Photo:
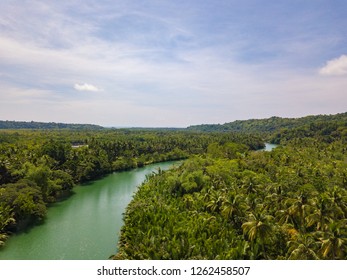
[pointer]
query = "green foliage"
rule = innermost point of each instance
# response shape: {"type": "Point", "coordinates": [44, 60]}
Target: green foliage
{"type": "Point", "coordinates": [41, 125]}
{"type": "Point", "coordinates": [290, 203]}
{"type": "Point", "coordinates": [307, 125]}
{"type": "Point", "coordinates": [227, 201]}
{"type": "Point", "coordinates": [24, 199]}
{"type": "Point", "coordinates": [37, 167]}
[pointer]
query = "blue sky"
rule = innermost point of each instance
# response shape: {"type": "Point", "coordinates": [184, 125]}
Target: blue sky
{"type": "Point", "coordinates": [171, 63]}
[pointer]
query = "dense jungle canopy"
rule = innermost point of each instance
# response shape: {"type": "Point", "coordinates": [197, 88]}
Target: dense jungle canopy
{"type": "Point", "coordinates": [226, 201]}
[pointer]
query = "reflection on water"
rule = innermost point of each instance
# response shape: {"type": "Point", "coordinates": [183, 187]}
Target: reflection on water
{"type": "Point", "coordinates": [85, 226]}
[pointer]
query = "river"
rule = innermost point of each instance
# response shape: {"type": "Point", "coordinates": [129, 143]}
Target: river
{"type": "Point", "coordinates": [269, 147]}
{"type": "Point", "coordinates": [86, 225]}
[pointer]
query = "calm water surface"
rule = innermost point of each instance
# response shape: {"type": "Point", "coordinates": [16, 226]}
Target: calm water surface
{"type": "Point", "coordinates": [86, 225]}
{"type": "Point", "coordinates": [269, 147]}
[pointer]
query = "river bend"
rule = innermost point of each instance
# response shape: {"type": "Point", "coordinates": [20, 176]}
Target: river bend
{"type": "Point", "coordinates": [86, 225]}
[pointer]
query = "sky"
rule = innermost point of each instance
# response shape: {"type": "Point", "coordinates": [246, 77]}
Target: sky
{"type": "Point", "coordinates": [161, 63]}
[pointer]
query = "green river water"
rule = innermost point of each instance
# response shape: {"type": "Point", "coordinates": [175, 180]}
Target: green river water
{"type": "Point", "coordinates": [86, 225]}
{"type": "Point", "coordinates": [269, 147]}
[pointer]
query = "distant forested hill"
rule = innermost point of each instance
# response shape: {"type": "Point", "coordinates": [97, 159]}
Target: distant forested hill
{"type": "Point", "coordinates": [43, 125]}
{"type": "Point", "coordinates": [270, 124]}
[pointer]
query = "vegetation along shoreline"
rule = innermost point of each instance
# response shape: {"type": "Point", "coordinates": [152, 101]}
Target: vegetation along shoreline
{"type": "Point", "coordinates": [232, 204]}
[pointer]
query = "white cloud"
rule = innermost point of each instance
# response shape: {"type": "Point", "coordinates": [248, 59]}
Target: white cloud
{"type": "Point", "coordinates": [158, 65]}
{"type": "Point", "coordinates": [85, 87]}
{"type": "Point", "coordinates": [335, 67]}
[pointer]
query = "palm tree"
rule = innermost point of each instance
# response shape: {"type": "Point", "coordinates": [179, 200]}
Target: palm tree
{"type": "Point", "coordinates": [258, 230]}
{"type": "Point", "coordinates": [338, 199]}
{"type": "Point", "coordinates": [253, 201]}
{"type": "Point", "coordinates": [6, 216]}
{"type": "Point", "coordinates": [298, 209]}
{"type": "Point", "coordinates": [6, 219]}
{"type": "Point", "coordinates": [285, 216]}
{"type": "Point", "coordinates": [214, 200]}
{"type": "Point", "coordinates": [302, 248]}
{"type": "Point", "coordinates": [188, 200]}
{"type": "Point", "coordinates": [275, 197]}
{"type": "Point", "coordinates": [321, 215]}
{"type": "Point", "coordinates": [233, 208]}
{"type": "Point", "coordinates": [334, 241]}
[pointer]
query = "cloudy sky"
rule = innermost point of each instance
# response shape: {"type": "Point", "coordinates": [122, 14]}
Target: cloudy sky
{"type": "Point", "coordinates": [171, 63]}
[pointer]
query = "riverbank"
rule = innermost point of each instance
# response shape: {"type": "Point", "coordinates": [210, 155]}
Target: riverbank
{"type": "Point", "coordinates": [86, 225]}
{"type": "Point", "coordinates": [28, 221]}
{"type": "Point", "coordinates": [212, 207]}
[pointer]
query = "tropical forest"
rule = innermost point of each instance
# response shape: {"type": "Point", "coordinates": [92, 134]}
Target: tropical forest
{"type": "Point", "coordinates": [229, 198]}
